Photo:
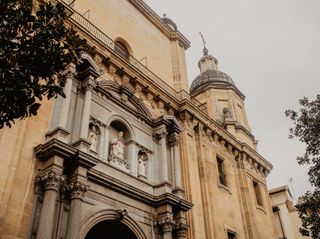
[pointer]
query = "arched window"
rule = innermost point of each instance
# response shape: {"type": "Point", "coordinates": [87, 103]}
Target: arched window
{"type": "Point", "coordinates": [122, 48]}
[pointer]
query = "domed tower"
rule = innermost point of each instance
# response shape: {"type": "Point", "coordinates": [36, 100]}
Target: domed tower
{"type": "Point", "coordinates": [223, 100]}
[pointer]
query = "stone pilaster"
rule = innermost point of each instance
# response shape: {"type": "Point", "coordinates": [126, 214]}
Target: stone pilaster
{"type": "Point", "coordinates": [77, 191]}
{"type": "Point", "coordinates": [88, 85]}
{"type": "Point", "coordinates": [174, 141]}
{"type": "Point", "coordinates": [51, 183]}
{"type": "Point", "coordinates": [161, 135]}
{"type": "Point", "coordinates": [65, 104]}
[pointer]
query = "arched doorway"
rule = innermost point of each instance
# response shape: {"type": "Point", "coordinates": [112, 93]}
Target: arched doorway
{"type": "Point", "coordinates": [110, 229]}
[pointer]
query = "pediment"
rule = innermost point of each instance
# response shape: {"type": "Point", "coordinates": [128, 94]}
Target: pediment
{"type": "Point", "coordinates": [125, 97]}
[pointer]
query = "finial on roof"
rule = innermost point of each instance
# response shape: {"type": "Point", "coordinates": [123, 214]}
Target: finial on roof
{"type": "Point", "coordinates": [164, 15]}
{"type": "Point", "coordinates": [205, 50]}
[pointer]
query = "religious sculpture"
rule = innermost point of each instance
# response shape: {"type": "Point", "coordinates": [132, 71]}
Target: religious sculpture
{"type": "Point", "coordinates": [117, 148]}
{"type": "Point", "coordinates": [142, 161]}
{"type": "Point", "coordinates": [227, 115]}
{"type": "Point", "coordinates": [93, 138]}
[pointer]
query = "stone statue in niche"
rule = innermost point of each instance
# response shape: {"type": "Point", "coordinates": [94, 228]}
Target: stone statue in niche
{"type": "Point", "coordinates": [93, 138]}
{"type": "Point", "coordinates": [142, 165]}
{"type": "Point", "coordinates": [227, 115]}
{"type": "Point", "coordinates": [117, 148]}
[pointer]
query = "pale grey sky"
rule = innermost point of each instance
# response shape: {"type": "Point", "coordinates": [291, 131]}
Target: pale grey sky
{"type": "Point", "coordinates": [271, 50]}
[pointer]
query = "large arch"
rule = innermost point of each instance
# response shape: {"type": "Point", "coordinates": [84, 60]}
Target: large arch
{"type": "Point", "coordinates": [99, 215]}
{"type": "Point", "coordinates": [113, 229]}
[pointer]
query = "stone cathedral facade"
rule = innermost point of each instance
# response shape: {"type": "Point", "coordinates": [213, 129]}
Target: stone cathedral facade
{"type": "Point", "coordinates": [133, 152]}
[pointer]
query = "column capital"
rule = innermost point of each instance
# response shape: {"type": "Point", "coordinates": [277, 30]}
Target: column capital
{"type": "Point", "coordinates": [173, 139]}
{"type": "Point", "coordinates": [77, 190]}
{"type": "Point", "coordinates": [89, 84]}
{"type": "Point", "coordinates": [160, 133]}
{"type": "Point", "coordinates": [50, 180]}
{"type": "Point", "coordinates": [181, 230]}
{"type": "Point", "coordinates": [165, 224]}
{"type": "Point", "coordinates": [70, 70]}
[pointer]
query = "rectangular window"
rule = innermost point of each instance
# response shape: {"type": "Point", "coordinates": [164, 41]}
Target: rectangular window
{"type": "Point", "coordinates": [231, 235]}
{"type": "Point", "coordinates": [221, 174]}
{"type": "Point", "coordinates": [257, 193]}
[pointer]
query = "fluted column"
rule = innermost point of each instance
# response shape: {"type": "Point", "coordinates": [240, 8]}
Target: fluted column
{"type": "Point", "coordinates": [88, 86]}
{"type": "Point", "coordinates": [174, 143]}
{"type": "Point", "coordinates": [65, 102]}
{"type": "Point", "coordinates": [52, 183]}
{"type": "Point", "coordinates": [77, 190]}
{"type": "Point", "coordinates": [160, 135]}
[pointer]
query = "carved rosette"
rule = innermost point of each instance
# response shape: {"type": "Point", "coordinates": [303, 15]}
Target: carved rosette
{"type": "Point", "coordinates": [50, 181]}
{"type": "Point", "coordinates": [77, 190]}
{"type": "Point", "coordinates": [165, 224]}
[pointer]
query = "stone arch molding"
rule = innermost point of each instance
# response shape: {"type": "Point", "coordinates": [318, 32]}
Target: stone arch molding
{"type": "Point", "coordinates": [110, 85]}
{"type": "Point", "coordinates": [98, 214]}
{"type": "Point", "coordinates": [122, 120]}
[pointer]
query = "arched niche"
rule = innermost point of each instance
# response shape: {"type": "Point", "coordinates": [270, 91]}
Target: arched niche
{"type": "Point", "coordinates": [142, 164]}
{"type": "Point", "coordinates": [94, 137]}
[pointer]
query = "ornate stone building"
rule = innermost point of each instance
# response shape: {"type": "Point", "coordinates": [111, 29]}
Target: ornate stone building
{"type": "Point", "coordinates": [131, 152]}
{"type": "Point", "coordinates": [285, 214]}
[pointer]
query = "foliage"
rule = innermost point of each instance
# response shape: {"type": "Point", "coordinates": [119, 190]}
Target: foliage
{"type": "Point", "coordinates": [307, 130]}
{"type": "Point", "coordinates": [309, 213]}
{"type": "Point", "coordinates": [35, 46]}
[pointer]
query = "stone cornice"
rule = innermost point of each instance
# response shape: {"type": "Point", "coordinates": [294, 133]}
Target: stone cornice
{"type": "Point", "coordinates": [156, 20]}
{"type": "Point", "coordinates": [215, 85]}
{"type": "Point", "coordinates": [136, 193]}
{"type": "Point", "coordinates": [72, 155]}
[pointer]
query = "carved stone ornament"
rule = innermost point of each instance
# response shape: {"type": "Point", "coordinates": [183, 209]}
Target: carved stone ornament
{"type": "Point", "coordinates": [181, 230]}
{"type": "Point", "coordinates": [93, 137]}
{"type": "Point", "coordinates": [77, 190]}
{"type": "Point", "coordinates": [121, 213]}
{"type": "Point", "coordinates": [50, 181]}
{"type": "Point", "coordinates": [89, 84]}
{"type": "Point", "coordinates": [70, 71]}
{"type": "Point", "coordinates": [117, 151]}
{"type": "Point", "coordinates": [173, 139]}
{"type": "Point", "coordinates": [165, 224]}
{"type": "Point", "coordinates": [160, 133]}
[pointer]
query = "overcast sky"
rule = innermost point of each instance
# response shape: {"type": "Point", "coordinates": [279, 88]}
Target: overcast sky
{"type": "Point", "coordinates": [271, 50]}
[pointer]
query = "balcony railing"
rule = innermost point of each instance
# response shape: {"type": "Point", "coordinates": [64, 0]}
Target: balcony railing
{"type": "Point", "coordinates": [84, 24]}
